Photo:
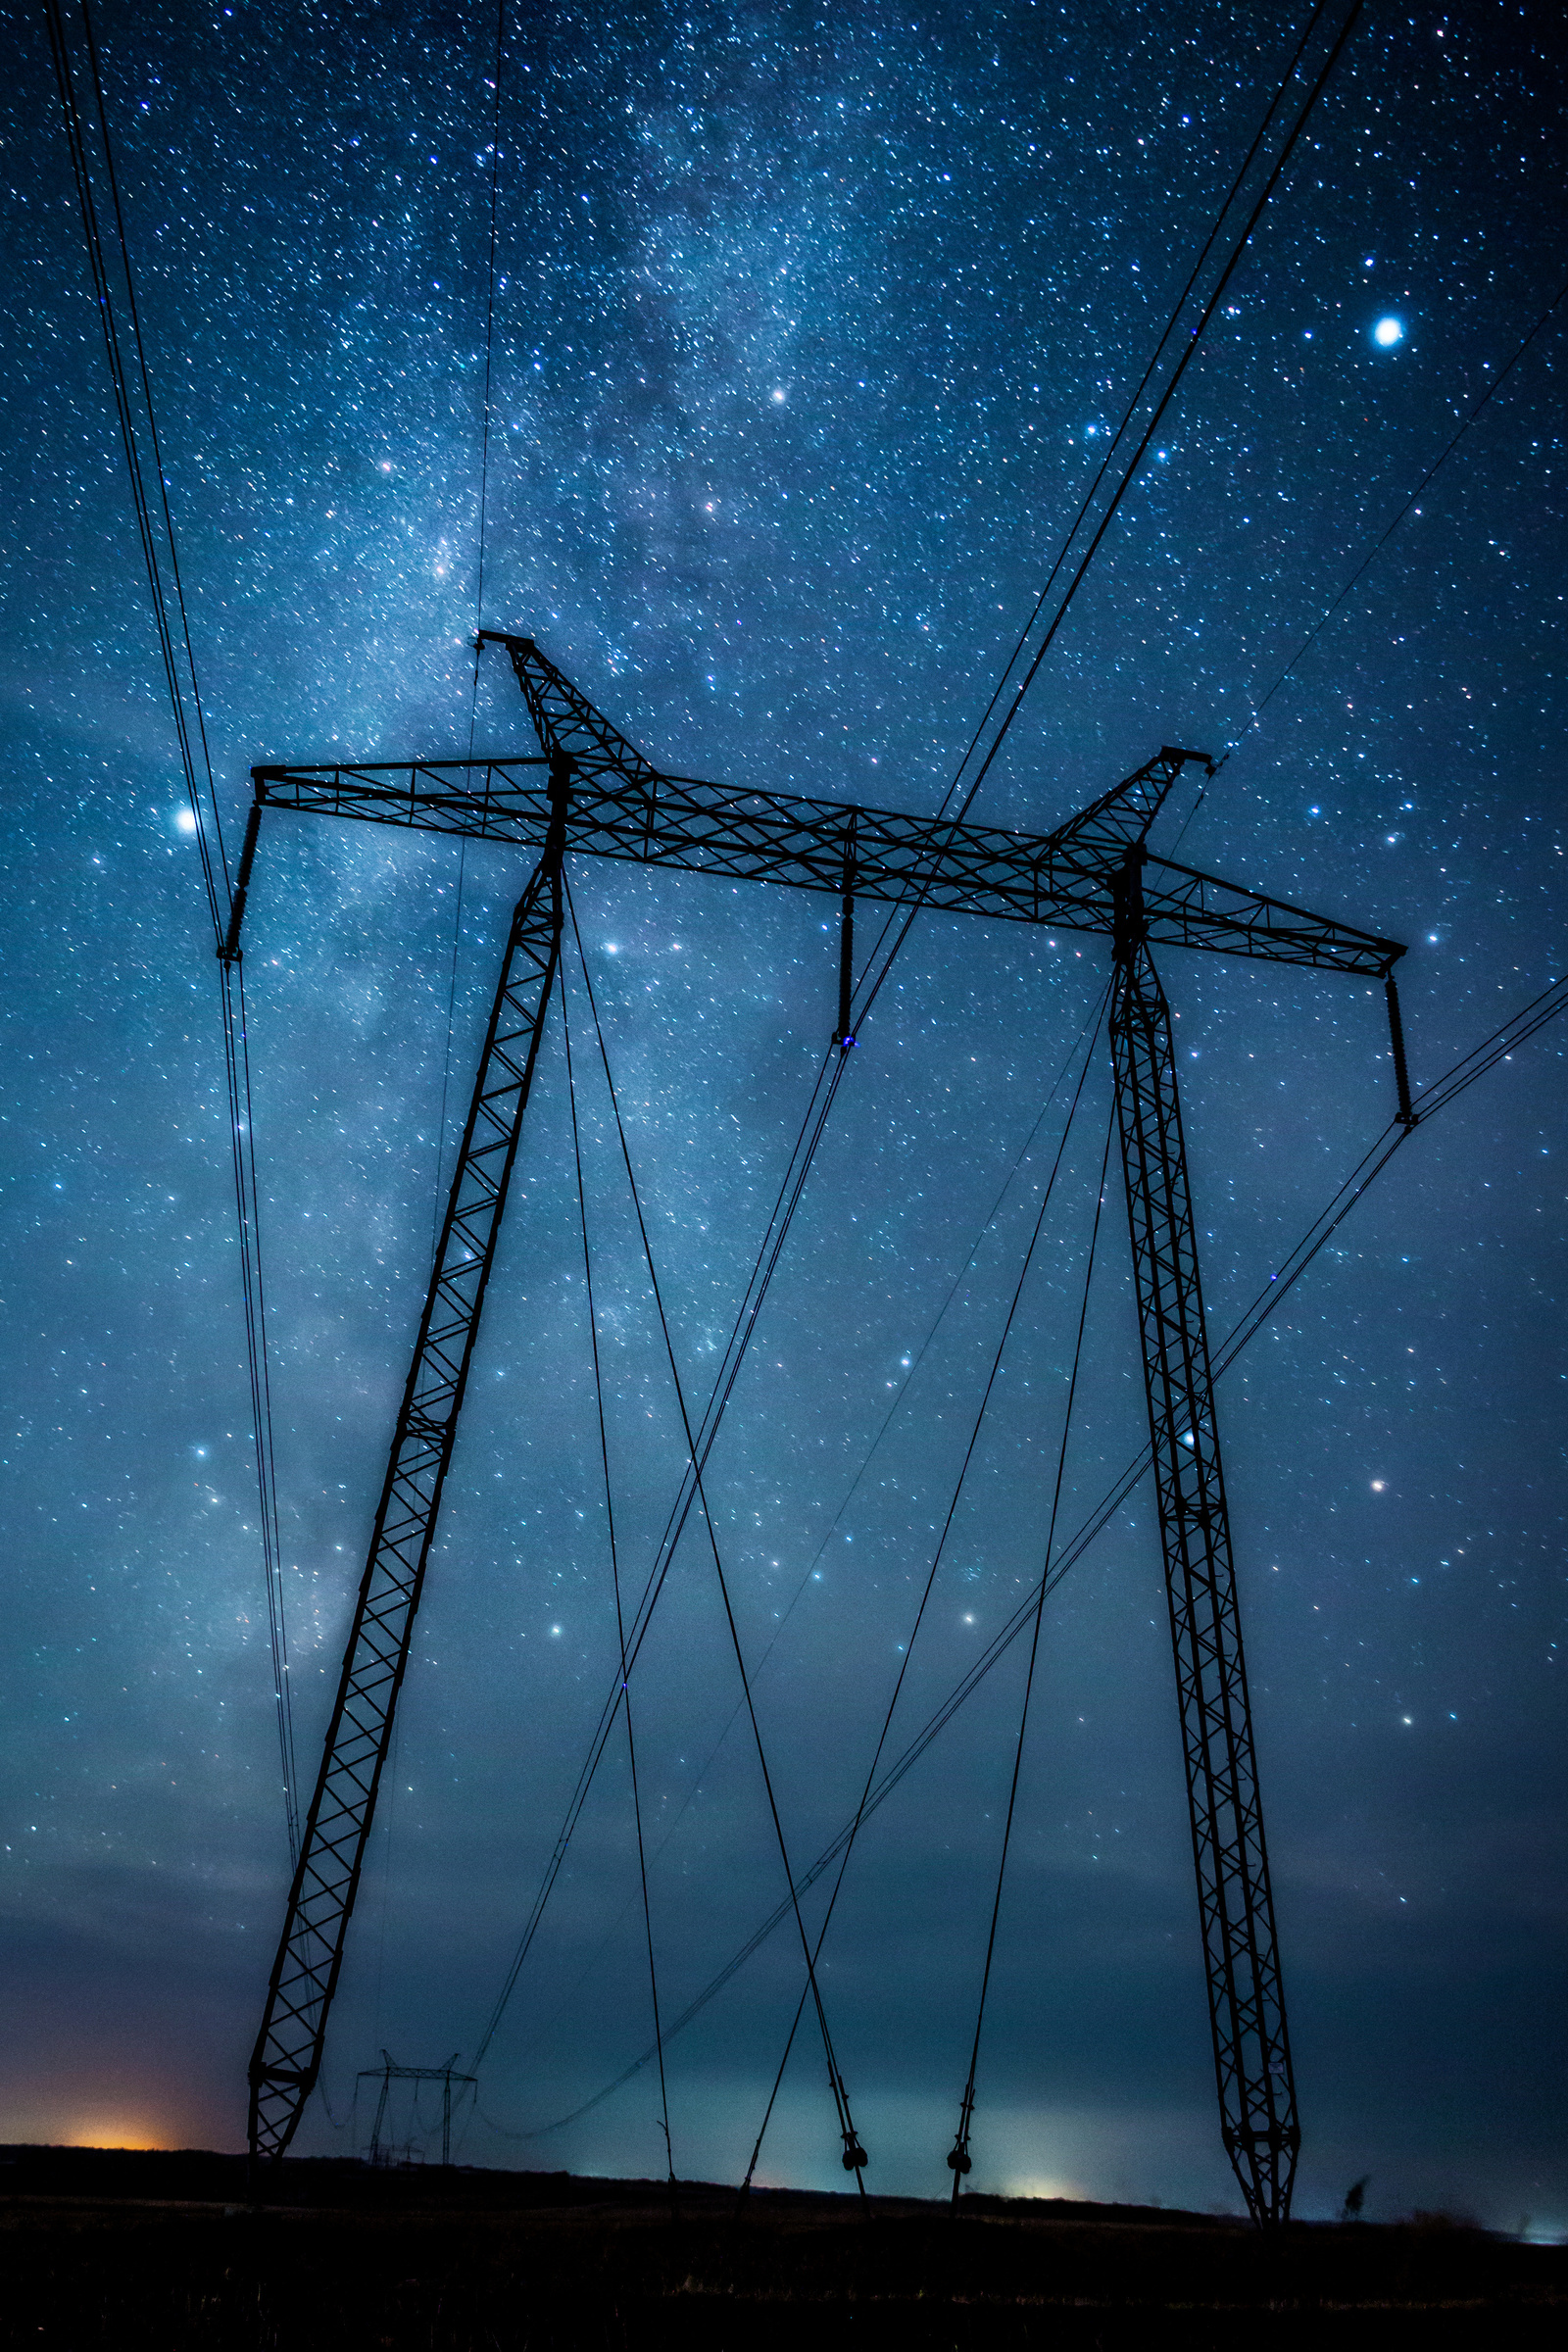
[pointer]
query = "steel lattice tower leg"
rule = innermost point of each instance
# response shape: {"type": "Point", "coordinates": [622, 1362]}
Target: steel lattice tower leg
{"type": "Point", "coordinates": [1245, 1995]}
{"type": "Point", "coordinates": [288, 2058]}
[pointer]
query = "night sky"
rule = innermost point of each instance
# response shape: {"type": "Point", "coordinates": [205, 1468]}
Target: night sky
{"type": "Point", "coordinates": [809, 325]}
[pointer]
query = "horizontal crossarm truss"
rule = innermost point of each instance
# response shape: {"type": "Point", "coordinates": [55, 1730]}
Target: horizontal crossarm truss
{"type": "Point", "coordinates": [1065, 880]}
{"type": "Point", "coordinates": [288, 2049]}
{"type": "Point", "coordinates": [1246, 1996]}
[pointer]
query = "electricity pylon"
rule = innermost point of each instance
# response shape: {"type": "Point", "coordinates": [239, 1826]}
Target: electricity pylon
{"type": "Point", "coordinates": [589, 792]}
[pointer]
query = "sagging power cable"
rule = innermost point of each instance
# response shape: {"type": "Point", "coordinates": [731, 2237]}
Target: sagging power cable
{"type": "Point", "coordinates": [919, 1355]}
{"type": "Point", "coordinates": [1498, 1047]}
{"type": "Point", "coordinates": [774, 1237]}
{"type": "Point", "coordinates": [880, 964]}
{"type": "Point", "coordinates": [1130, 469]}
{"type": "Point", "coordinates": [1086, 507]}
{"type": "Point", "coordinates": [182, 682]}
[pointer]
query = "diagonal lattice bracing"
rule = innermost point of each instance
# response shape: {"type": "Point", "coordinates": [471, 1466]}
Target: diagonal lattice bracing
{"type": "Point", "coordinates": [1236, 1910]}
{"type": "Point", "coordinates": [288, 2049]}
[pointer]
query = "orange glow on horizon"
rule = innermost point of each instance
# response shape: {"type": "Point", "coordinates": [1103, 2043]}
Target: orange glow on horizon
{"type": "Point", "coordinates": [113, 2132]}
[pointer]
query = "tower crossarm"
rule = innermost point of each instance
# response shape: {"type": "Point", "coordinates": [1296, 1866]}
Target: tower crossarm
{"type": "Point", "coordinates": [1066, 879]}
{"type": "Point", "coordinates": [1191, 909]}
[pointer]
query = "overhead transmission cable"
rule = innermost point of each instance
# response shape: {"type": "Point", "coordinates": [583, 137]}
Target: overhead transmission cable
{"type": "Point", "coordinates": [958, 1484]}
{"type": "Point", "coordinates": [1377, 545]}
{"type": "Point", "coordinates": [865, 997]}
{"type": "Point", "coordinates": [831, 1069]}
{"type": "Point", "coordinates": [1498, 1047]}
{"type": "Point", "coordinates": [479, 606]}
{"type": "Point", "coordinates": [788, 1196]}
{"type": "Point", "coordinates": [1167, 395]}
{"type": "Point", "coordinates": [1435, 1098]}
{"type": "Point", "coordinates": [190, 731]}
{"type": "Point", "coordinates": [614, 1570]}
{"type": "Point", "coordinates": [1086, 505]}
{"type": "Point", "coordinates": [917, 1359]}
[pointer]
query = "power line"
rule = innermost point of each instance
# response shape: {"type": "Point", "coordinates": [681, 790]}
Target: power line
{"type": "Point", "coordinates": [1130, 412]}
{"type": "Point", "coordinates": [919, 1358]}
{"type": "Point", "coordinates": [1130, 470]}
{"type": "Point", "coordinates": [774, 1236]}
{"type": "Point", "coordinates": [1438, 1096]}
{"type": "Point", "coordinates": [203, 807]}
{"type": "Point", "coordinates": [205, 815]}
{"type": "Point", "coordinates": [872, 981]}
{"type": "Point", "coordinates": [907, 1646]}
{"type": "Point", "coordinates": [1377, 545]}
{"type": "Point", "coordinates": [1170, 393]}
{"type": "Point", "coordinates": [831, 1071]}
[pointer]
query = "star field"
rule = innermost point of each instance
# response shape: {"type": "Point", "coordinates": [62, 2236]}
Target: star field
{"type": "Point", "coordinates": [810, 329]}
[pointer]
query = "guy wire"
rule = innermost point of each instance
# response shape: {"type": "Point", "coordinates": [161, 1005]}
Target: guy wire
{"type": "Point", "coordinates": [614, 1567]}
{"type": "Point", "coordinates": [851, 2148]}
{"type": "Point", "coordinates": [960, 2146]}
{"type": "Point", "coordinates": [941, 1542]}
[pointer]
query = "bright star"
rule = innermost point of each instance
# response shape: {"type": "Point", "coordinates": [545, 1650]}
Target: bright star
{"type": "Point", "coordinates": [1387, 332]}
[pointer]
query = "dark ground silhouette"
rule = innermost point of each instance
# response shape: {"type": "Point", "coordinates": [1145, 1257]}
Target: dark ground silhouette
{"type": "Point", "coordinates": [168, 2250]}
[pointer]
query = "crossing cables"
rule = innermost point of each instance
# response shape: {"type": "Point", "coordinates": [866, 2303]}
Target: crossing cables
{"type": "Point", "coordinates": [614, 1570]}
{"type": "Point", "coordinates": [1502, 1042]}
{"type": "Point", "coordinates": [959, 2159]}
{"type": "Point", "coordinates": [883, 955]}
{"type": "Point", "coordinates": [907, 1646]}
{"type": "Point", "coordinates": [854, 2153]}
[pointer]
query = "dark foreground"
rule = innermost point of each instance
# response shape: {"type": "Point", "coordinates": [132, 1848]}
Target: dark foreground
{"type": "Point", "coordinates": [166, 2251]}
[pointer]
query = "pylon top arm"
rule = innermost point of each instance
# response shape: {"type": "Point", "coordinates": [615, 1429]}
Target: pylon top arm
{"type": "Point", "coordinates": [565, 721]}
{"type": "Point", "coordinates": [568, 724]}
{"type": "Point", "coordinates": [1119, 820]}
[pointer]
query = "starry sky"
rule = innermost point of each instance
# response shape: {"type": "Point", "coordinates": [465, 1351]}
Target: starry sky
{"type": "Point", "coordinates": [809, 325]}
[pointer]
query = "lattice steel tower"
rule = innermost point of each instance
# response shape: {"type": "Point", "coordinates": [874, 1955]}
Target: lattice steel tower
{"type": "Point", "coordinates": [589, 792]}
